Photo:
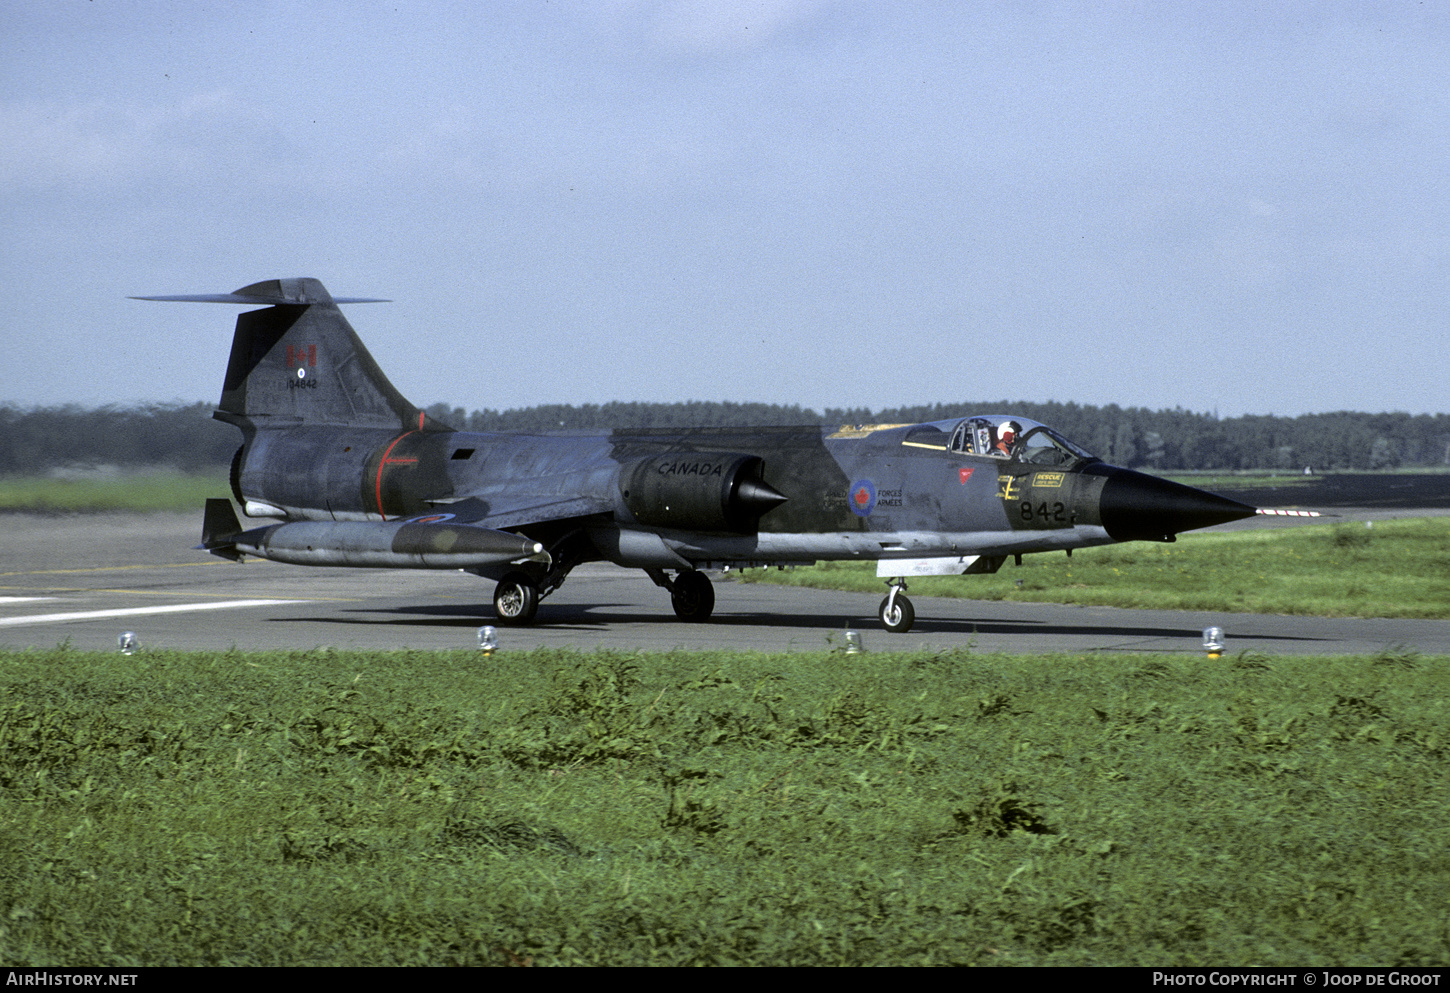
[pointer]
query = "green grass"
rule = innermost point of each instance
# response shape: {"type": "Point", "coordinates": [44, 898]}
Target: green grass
{"type": "Point", "coordinates": [1398, 568]}
{"type": "Point", "coordinates": [141, 492]}
{"type": "Point", "coordinates": [1230, 481]}
{"type": "Point", "coordinates": [555, 808]}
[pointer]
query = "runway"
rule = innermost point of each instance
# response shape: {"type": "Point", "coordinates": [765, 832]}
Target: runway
{"type": "Point", "coordinates": [84, 579]}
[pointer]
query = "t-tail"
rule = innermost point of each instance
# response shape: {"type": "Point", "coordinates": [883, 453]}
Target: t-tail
{"type": "Point", "coordinates": [299, 362]}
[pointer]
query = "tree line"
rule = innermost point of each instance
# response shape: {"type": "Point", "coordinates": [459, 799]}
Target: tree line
{"type": "Point", "coordinates": [184, 436]}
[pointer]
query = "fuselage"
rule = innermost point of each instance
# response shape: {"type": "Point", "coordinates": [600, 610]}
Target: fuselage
{"type": "Point", "coordinates": [869, 492]}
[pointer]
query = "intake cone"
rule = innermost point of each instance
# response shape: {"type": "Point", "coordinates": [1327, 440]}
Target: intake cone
{"type": "Point", "coordinates": [757, 496]}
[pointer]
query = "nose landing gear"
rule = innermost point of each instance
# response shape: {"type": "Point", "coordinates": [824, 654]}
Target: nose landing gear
{"type": "Point", "coordinates": [896, 612]}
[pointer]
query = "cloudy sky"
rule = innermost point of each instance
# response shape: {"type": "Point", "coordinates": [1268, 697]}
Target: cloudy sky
{"type": "Point", "coordinates": [1230, 206]}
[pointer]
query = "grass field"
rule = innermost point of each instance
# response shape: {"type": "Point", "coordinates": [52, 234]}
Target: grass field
{"type": "Point", "coordinates": [139, 492]}
{"type": "Point", "coordinates": [1397, 568]}
{"type": "Point", "coordinates": [1225, 482]}
{"type": "Point", "coordinates": [1216, 479]}
{"type": "Point", "coordinates": [554, 808]}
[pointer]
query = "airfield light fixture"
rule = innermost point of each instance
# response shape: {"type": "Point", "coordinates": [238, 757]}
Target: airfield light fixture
{"type": "Point", "coordinates": [854, 645]}
{"type": "Point", "coordinates": [1213, 642]}
{"type": "Point", "coordinates": [487, 639]}
{"type": "Point", "coordinates": [127, 643]}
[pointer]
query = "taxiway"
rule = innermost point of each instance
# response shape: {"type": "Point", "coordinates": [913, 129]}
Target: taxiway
{"type": "Point", "coordinates": [84, 579]}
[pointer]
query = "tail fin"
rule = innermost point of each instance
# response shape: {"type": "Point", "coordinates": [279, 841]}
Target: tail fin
{"type": "Point", "coordinates": [299, 361]}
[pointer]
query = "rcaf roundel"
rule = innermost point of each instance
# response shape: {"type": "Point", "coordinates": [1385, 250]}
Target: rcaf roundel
{"type": "Point", "coordinates": [862, 497]}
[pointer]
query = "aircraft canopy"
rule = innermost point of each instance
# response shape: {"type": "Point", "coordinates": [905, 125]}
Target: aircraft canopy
{"type": "Point", "coordinates": [1010, 437]}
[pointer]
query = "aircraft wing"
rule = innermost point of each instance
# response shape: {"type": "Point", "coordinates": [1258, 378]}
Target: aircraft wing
{"type": "Point", "coordinates": [513, 509]}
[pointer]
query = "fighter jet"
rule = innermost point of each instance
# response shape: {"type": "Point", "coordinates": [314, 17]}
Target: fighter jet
{"type": "Point", "coordinates": [352, 474]}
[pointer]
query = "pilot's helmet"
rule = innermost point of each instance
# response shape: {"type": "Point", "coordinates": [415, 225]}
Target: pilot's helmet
{"type": "Point", "coordinates": [1009, 431]}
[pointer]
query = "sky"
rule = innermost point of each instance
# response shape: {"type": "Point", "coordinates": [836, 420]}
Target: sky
{"type": "Point", "coordinates": [1231, 207]}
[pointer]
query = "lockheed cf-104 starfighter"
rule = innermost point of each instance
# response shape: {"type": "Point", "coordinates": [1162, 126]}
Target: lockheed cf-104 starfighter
{"type": "Point", "coordinates": [355, 475]}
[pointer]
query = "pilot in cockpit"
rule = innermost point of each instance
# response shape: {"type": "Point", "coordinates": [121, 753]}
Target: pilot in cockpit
{"type": "Point", "coordinates": [1007, 433]}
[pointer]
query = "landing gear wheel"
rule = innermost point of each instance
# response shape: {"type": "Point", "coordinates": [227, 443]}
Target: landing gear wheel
{"type": "Point", "coordinates": [897, 614]}
{"type": "Point", "coordinates": [692, 596]}
{"type": "Point", "coordinates": [515, 600]}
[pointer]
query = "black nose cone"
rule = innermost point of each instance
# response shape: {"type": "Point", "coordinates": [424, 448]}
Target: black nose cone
{"type": "Point", "coordinates": [1137, 507]}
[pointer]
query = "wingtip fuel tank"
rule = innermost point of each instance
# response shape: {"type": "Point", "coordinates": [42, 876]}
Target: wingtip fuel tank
{"type": "Point", "coordinates": [390, 545]}
{"type": "Point", "coordinates": [430, 542]}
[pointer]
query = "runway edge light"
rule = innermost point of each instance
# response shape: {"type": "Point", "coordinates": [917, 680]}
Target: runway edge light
{"type": "Point", "coordinates": [487, 639]}
{"type": "Point", "coordinates": [1213, 642]}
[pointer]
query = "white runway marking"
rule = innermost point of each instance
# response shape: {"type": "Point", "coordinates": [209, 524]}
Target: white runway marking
{"type": "Point", "coordinates": [175, 608]}
{"type": "Point", "coordinates": [24, 599]}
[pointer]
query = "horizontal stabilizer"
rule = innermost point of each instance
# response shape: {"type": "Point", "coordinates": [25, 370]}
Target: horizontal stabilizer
{"type": "Point", "coordinates": [270, 292]}
{"type": "Point", "coordinates": [250, 300]}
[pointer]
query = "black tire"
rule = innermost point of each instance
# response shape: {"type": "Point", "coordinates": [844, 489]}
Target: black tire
{"type": "Point", "coordinates": [235, 477]}
{"type": "Point", "coordinates": [515, 600]}
{"type": "Point", "coordinates": [897, 619]}
{"type": "Point", "coordinates": [693, 596]}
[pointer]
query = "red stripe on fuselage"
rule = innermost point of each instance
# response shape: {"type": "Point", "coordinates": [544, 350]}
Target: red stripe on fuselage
{"type": "Point", "coordinates": [384, 462]}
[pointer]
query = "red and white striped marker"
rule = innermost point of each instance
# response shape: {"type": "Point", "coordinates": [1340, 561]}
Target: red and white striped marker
{"type": "Point", "coordinates": [1269, 512]}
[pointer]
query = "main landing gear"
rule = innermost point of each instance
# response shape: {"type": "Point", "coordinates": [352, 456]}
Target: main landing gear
{"type": "Point", "coordinates": [691, 593]}
{"type": "Point", "coordinates": [515, 599]}
{"type": "Point", "coordinates": [517, 595]}
{"type": "Point", "coordinates": [896, 613]}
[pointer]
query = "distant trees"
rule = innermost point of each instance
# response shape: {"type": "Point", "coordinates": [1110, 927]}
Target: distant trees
{"type": "Point", "coordinates": [1134, 436]}
{"type": "Point", "coordinates": [185, 436]}
{"type": "Point", "coordinates": [44, 438]}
